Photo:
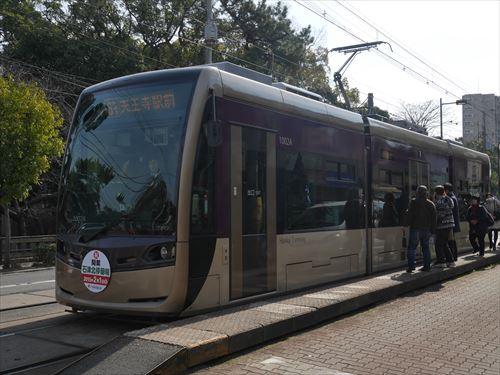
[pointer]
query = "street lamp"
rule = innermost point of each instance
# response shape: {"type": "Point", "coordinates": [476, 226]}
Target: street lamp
{"type": "Point", "coordinates": [457, 102]}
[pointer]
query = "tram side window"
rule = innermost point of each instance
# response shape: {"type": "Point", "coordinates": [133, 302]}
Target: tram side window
{"type": "Point", "coordinates": [316, 191]}
{"type": "Point", "coordinates": [438, 179]}
{"type": "Point", "coordinates": [390, 199]}
{"type": "Point", "coordinates": [203, 192]}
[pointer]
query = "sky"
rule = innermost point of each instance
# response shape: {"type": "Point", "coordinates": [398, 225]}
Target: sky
{"type": "Point", "coordinates": [440, 49]}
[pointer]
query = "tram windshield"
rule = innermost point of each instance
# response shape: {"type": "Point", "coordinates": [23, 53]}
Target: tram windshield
{"type": "Point", "coordinates": [121, 172]}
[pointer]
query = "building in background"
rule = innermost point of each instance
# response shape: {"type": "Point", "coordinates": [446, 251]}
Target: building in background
{"type": "Point", "coordinates": [481, 119]}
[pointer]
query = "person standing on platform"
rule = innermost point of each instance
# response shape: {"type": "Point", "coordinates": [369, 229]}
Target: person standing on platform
{"type": "Point", "coordinates": [422, 224]}
{"type": "Point", "coordinates": [452, 243]}
{"type": "Point", "coordinates": [492, 204]}
{"type": "Point", "coordinates": [479, 220]}
{"type": "Point", "coordinates": [444, 225]}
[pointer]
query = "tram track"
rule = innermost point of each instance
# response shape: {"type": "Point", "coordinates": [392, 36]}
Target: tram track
{"type": "Point", "coordinates": [48, 365]}
{"type": "Point", "coordinates": [43, 342]}
{"type": "Point", "coordinates": [27, 306]}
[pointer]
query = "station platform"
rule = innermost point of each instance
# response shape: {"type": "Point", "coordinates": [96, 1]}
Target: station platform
{"type": "Point", "coordinates": [178, 346]}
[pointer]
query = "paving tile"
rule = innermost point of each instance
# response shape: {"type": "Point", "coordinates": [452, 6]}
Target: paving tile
{"type": "Point", "coordinates": [452, 327]}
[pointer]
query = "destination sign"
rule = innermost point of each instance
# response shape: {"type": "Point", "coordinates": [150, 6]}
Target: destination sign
{"type": "Point", "coordinates": [143, 103]}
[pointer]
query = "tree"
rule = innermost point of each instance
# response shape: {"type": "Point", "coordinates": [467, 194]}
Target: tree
{"type": "Point", "coordinates": [29, 138]}
{"type": "Point", "coordinates": [262, 37]}
{"type": "Point", "coordinates": [425, 114]}
{"type": "Point", "coordinates": [95, 40]}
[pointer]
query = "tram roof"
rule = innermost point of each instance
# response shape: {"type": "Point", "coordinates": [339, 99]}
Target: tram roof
{"type": "Point", "coordinates": [245, 89]}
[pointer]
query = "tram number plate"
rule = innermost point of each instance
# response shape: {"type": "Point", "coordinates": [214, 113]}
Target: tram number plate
{"type": "Point", "coordinates": [95, 271]}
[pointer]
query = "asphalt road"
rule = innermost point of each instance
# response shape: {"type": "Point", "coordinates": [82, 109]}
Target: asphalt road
{"type": "Point", "coordinates": [26, 281]}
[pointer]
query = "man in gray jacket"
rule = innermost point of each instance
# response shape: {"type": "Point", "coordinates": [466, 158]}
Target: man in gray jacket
{"type": "Point", "coordinates": [422, 224]}
{"type": "Point", "coordinates": [452, 243]}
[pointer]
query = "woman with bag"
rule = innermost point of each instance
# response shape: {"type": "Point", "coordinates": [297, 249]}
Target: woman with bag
{"type": "Point", "coordinates": [492, 204]}
{"type": "Point", "coordinates": [479, 220]}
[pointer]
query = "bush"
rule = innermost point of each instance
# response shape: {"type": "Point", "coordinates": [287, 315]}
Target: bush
{"type": "Point", "coordinates": [45, 254]}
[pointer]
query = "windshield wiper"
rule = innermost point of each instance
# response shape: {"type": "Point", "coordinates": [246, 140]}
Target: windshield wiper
{"type": "Point", "coordinates": [100, 229]}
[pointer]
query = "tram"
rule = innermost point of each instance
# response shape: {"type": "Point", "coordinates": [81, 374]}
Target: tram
{"type": "Point", "coordinates": [190, 189]}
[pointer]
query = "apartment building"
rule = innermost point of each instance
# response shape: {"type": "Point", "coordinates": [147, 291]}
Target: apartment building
{"type": "Point", "coordinates": [481, 119]}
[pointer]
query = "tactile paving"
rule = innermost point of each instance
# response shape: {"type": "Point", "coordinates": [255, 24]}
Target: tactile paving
{"type": "Point", "coordinates": [281, 308]}
{"type": "Point", "coordinates": [306, 301]}
{"type": "Point", "coordinates": [183, 336]}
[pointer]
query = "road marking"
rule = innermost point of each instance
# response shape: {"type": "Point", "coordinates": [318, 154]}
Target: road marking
{"type": "Point", "coordinates": [24, 284]}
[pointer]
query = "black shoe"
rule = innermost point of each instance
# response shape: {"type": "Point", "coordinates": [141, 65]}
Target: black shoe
{"type": "Point", "coordinates": [410, 270]}
{"type": "Point", "coordinates": [424, 269]}
{"type": "Point", "coordinates": [455, 259]}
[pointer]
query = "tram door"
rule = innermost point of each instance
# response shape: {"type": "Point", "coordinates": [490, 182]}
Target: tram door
{"type": "Point", "coordinates": [253, 212]}
{"type": "Point", "coordinates": [419, 175]}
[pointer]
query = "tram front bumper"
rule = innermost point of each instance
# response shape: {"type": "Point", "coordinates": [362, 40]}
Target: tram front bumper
{"type": "Point", "coordinates": [142, 292]}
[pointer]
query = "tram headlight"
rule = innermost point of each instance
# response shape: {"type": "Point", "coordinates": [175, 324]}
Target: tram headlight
{"type": "Point", "coordinates": [164, 252]}
{"type": "Point", "coordinates": [167, 252]}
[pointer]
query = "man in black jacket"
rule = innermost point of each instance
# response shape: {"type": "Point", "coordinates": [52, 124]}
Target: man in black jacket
{"type": "Point", "coordinates": [422, 224]}
{"type": "Point", "coordinates": [479, 220]}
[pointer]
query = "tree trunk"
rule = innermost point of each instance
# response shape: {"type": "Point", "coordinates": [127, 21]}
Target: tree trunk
{"type": "Point", "coordinates": [6, 242]}
{"type": "Point", "coordinates": [21, 218]}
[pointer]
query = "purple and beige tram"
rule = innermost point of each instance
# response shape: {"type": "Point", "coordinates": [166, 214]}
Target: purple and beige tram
{"type": "Point", "coordinates": [190, 189]}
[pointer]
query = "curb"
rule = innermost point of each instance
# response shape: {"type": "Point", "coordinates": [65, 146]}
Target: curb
{"type": "Point", "coordinates": [21, 270]}
{"type": "Point", "coordinates": [260, 322]}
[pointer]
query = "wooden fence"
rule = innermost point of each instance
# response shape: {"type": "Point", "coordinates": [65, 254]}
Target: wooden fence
{"type": "Point", "coordinates": [22, 248]}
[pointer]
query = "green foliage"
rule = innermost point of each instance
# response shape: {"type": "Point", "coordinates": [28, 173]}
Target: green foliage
{"type": "Point", "coordinates": [263, 35]}
{"type": "Point", "coordinates": [377, 113]}
{"type": "Point", "coordinates": [45, 254]}
{"type": "Point", "coordinates": [29, 137]}
{"type": "Point", "coordinates": [66, 45]}
{"type": "Point", "coordinates": [103, 39]}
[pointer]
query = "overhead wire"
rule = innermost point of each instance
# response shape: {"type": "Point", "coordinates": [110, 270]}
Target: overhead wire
{"type": "Point", "coordinates": [405, 65]}
{"type": "Point", "coordinates": [357, 13]}
{"type": "Point", "coordinates": [324, 16]}
{"type": "Point", "coordinates": [94, 41]}
{"type": "Point", "coordinates": [390, 58]}
{"type": "Point", "coordinates": [394, 61]}
{"type": "Point", "coordinates": [254, 45]}
{"type": "Point", "coordinates": [48, 71]}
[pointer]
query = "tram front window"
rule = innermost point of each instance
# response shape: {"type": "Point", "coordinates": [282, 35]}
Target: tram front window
{"type": "Point", "coordinates": [121, 172]}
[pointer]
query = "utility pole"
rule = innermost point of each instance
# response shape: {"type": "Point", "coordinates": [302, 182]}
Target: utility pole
{"type": "Point", "coordinates": [441, 116]}
{"type": "Point", "coordinates": [210, 33]}
{"type": "Point", "coordinates": [457, 102]}
{"type": "Point", "coordinates": [370, 104]}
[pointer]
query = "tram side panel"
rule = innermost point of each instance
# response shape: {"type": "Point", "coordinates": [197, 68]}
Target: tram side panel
{"type": "Point", "coordinates": [319, 209]}
{"type": "Point", "coordinates": [321, 181]}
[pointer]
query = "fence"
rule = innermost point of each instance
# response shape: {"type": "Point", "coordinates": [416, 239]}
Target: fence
{"type": "Point", "coordinates": [22, 249]}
